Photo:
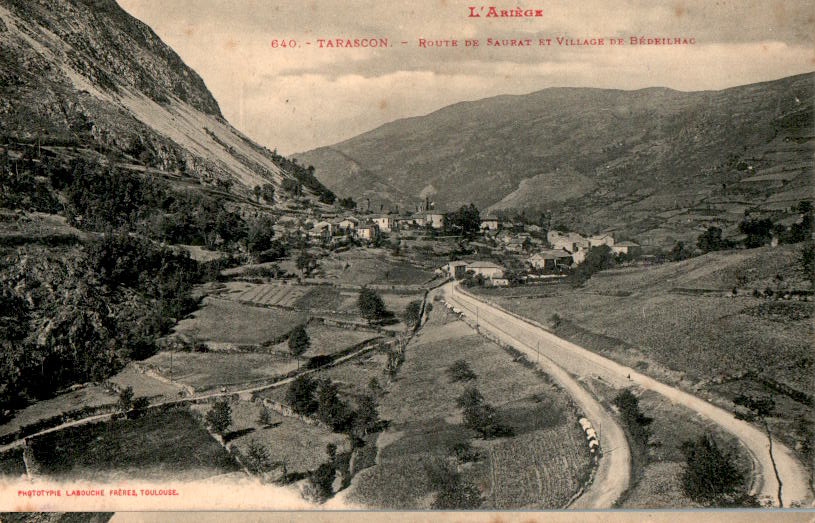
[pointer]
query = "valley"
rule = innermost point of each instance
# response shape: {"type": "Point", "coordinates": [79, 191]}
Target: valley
{"type": "Point", "coordinates": [572, 299]}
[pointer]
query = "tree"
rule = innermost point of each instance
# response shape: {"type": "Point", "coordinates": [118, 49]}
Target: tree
{"type": "Point", "coordinates": [466, 219]}
{"type": "Point", "coordinates": [597, 259]}
{"type": "Point", "coordinates": [300, 395]}
{"type": "Point", "coordinates": [480, 416]}
{"type": "Point", "coordinates": [347, 203]}
{"type": "Point", "coordinates": [413, 313]}
{"type": "Point", "coordinates": [367, 416]}
{"type": "Point", "coordinates": [711, 477]}
{"type": "Point", "coordinates": [267, 192]}
{"type": "Point", "coordinates": [371, 305]}
{"type": "Point", "coordinates": [331, 409]}
{"type": "Point", "coordinates": [711, 240]}
{"type": "Point", "coordinates": [139, 407]}
{"type": "Point", "coordinates": [257, 457]}
{"type": "Point", "coordinates": [219, 417]}
{"type": "Point", "coordinates": [321, 482]}
{"type": "Point", "coordinates": [292, 187]}
{"type": "Point", "coordinates": [265, 416]}
{"type": "Point", "coordinates": [260, 234]}
{"type": "Point", "coordinates": [305, 263]}
{"type": "Point", "coordinates": [635, 421]}
{"type": "Point", "coordinates": [299, 342]}
{"type": "Point", "coordinates": [758, 231]}
{"type": "Point", "coordinates": [680, 252]}
{"type": "Point", "coordinates": [126, 399]}
{"type": "Point", "coordinates": [807, 261]}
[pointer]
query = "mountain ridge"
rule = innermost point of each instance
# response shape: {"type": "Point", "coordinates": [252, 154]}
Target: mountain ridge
{"type": "Point", "coordinates": [593, 148]}
{"type": "Point", "coordinates": [86, 74]}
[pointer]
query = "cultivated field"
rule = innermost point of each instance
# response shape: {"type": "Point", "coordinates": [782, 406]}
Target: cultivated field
{"type": "Point", "coordinates": [658, 320]}
{"type": "Point", "coordinates": [225, 321]}
{"type": "Point", "coordinates": [272, 294]}
{"type": "Point", "coordinates": [326, 339]}
{"type": "Point", "coordinates": [208, 370]}
{"type": "Point", "coordinates": [372, 266]}
{"type": "Point", "coordinates": [528, 469]}
{"type": "Point", "coordinates": [159, 446]}
{"type": "Point", "coordinates": [425, 424]}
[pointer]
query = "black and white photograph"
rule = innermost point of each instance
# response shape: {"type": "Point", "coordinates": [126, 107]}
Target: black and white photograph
{"type": "Point", "coordinates": [513, 261]}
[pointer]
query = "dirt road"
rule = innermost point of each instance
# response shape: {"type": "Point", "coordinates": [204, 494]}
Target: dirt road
{"type": "Point", "coordinates": [794, 488]}
{"type": "Point", "coordinates": [612, 476]}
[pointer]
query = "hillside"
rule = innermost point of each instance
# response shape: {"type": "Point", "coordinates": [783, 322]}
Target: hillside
{"type": "Point", "coordinates": [654, 162]}
{"type": "Point", "coordinates": [83, 77]}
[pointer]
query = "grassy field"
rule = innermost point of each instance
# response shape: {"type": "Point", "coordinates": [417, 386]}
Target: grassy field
{"type": "Point", "coordinates": [225, 321]}
{"type": "Point", "coordinates": [92, 396]}
{"type": "Point", "coordinates": [704, 343]}
{"type": "Point", "coordinates": [326, 339]}
{"type": "Point", "coordinates": [144, 385]}
{"type": "Point", "coordinates": [205, 371]}
{"type": "Point", "coordinates": [163, 446]}
{"type": "Point", "coordinates": [351, 377]}
{"type": "Point", "coordinates": [425, 424]}
{"type": "Point", "coordinates": [300, 446]}
{"type": "Point", "coordinates": [372, 266]}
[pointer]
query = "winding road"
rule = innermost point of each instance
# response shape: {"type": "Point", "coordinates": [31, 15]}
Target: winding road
{"type": "Point", "coordinates": [563, 360]}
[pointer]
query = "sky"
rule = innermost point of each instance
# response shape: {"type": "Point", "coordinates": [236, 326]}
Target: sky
{"type": "Point", "coordinates": [298, 98]}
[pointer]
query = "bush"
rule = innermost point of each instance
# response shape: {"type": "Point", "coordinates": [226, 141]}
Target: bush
{"type": "Point", "coordinates": [635, 421]}
{"type": "Point", "coordinates": [711, 477]}
{"type": "Point", "coordinates": [413, 312]}
{"type": "Point", "coordinates": [460, 371]}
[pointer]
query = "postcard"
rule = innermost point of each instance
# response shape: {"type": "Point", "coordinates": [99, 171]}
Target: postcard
{"type": "Point", "coordinates": [460, 259]}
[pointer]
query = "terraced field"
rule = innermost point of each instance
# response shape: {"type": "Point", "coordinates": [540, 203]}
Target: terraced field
{"type": "Point", "coordinates": [541, 469]}
{"type": "Point", "coordinates": [226, 321]}
{"type": "Point", "coordinates": [206, 371]}
{"type": "Point", "coordinates": [272, 294]}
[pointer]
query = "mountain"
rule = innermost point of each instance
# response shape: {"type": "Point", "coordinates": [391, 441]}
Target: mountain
{"type": "Point", "coordinates": [85, 75]}
{"type": "Point", "coordinates": [653, 162]}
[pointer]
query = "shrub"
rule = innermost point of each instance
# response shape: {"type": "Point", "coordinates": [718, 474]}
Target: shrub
{"type": "Point", "coordinates": [636, 422]}
{"type": "Point", "coordinates": [711, 477]}
{"type": "Point", "coordinates": [413, 312]}
{"type": "Point", "coordinates": [460, 371]}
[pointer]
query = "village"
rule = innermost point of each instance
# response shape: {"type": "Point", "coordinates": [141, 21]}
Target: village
{"type": "Point", "coordinates": [498, 252]}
